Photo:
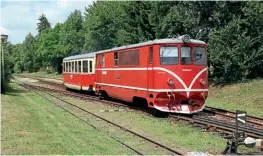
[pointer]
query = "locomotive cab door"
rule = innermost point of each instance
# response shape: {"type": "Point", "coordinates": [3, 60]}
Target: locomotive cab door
{"type": "Point", "coordinates": [150, 66]}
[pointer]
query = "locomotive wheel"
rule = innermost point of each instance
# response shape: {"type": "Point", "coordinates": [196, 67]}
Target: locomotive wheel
{"type": "Point", "coordinates": [159, 114]}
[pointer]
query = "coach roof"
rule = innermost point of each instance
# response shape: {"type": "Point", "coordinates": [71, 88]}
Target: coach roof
{"type": "Point", "coordinates": [81, 56]}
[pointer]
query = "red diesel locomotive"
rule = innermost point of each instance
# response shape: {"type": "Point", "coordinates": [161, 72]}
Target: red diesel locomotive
{"type": "Point", "coordinates": [169, 74]}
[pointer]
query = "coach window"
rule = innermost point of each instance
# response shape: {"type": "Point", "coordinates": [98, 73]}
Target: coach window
{"type": "Point", "coordinates": [90, 66]}
{"type": "Point", "coordinates": [69, 66]}
{"type": "Point", "coordinates": [72, 66]}
{"type": "Point", "coordinates": [66, 66]}
{"type": "Point", "coordinates": [85, 66]}
{"type": "Point", "coordinates": [199, 56]}
{"type": "Point", "coordinates": [79, 62]}
{"type": "Point", "coordinates": [186, 55]}
{"type": "Point", "coordinates": [116, 59]}
{"type": "Point", "coordinates": [169, 55]}
{"type": "Point", "coordinates": [151, 55]}
{"type": "Point", "coordinates": [76, 66]}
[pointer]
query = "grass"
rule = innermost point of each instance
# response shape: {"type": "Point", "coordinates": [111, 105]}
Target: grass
{"type": "Point", "coordinates": [31, 125]}
{"type": "Point", "coordinates": [242, 96]}
{"type": "Point", "coordinates": [44, 74]}
{"type": "Point", "coordinates": [175, 135]}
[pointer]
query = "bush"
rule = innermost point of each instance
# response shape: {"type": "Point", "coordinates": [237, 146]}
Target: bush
{"type": "Point", "coordinates": [48, 71]}
{"type": "Point", "coordinates": [18, 68]}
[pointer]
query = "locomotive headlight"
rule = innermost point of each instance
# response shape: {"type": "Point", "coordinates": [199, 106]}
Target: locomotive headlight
{"type": "Point", "coordinates": [186, 38]}
{"type": "Point", "coordinates": [170, 82]}
{"type": "Point", "coordinates": [203, 82]}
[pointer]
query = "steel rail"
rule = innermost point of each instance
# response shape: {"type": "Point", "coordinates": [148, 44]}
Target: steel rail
{"type": "Point", "coordinates": [82, 119]}
{"type": "Point", "coordinates": [204, 121]}
{"type": "Point", "coordinates": [119, 126]}
{"type": "Point", "coordinates": [228, 128]}
{"type": "Point", "coordinates": [229, 114]}
{"type": "Point", "coordinates": [217, 111]}
{"type": "Point", "coordinates": [225, 126]}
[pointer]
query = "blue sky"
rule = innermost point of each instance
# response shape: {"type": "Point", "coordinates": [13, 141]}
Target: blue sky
{"type": "Point", "coordinates": [19, 17]}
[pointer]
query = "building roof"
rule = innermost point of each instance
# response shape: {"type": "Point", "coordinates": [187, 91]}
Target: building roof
{"type": "Point", "coordinates": [157, 41]}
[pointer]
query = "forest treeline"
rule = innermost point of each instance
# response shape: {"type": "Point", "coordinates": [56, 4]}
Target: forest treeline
{"type": "Point", "coordinates": [232, 30]}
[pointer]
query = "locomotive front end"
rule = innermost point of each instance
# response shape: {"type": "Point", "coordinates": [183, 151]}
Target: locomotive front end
{"type": "Point", "coordinates": [181, 83]}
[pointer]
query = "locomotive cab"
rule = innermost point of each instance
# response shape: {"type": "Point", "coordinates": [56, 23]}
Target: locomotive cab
{"type": "Point", "coordinates": [180, 77]}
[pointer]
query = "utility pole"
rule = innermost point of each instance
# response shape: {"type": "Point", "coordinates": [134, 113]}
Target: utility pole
{"type": "Point", "coordinates": [3, 39]}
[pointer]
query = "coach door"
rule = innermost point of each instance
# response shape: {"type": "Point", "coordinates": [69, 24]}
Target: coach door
{"type": "Point", "coordinates": [150, 68]}
{"type": "Point", "coordinates": [98, 66]}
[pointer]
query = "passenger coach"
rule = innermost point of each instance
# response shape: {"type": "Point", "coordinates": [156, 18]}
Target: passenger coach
{"type": "Point", "coordinates": [169, 74]}
{"type": "Point", "coordinates": [79, 72]}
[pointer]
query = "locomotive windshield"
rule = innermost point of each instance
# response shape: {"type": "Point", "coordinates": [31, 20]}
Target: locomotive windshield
{"type": "Point", "coordinates": [169, 55]}
{"type": "Point", "coordinates": [188, 55]}
{"type": "Point", "coordinates": [199, 56]}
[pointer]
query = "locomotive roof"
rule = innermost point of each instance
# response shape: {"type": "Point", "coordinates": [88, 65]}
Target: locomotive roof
{"type": "Point", "coordinates": [157, 41]}
{"type": "Point", "coordinates": [81, 56]}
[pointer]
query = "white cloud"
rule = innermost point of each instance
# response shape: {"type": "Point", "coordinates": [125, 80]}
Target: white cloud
{"type": "Point", "coordinates": [3, 30]}
{"type": "Point", "coordinates": [19, 18]}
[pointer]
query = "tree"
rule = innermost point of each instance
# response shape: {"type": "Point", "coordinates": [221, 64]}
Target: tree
{"type": "Point", "coordinates": [43, 24]}
{"type": "Point", "coordinates": [28, 58]}
{"type": "Point", "coordinates": [71, 37]}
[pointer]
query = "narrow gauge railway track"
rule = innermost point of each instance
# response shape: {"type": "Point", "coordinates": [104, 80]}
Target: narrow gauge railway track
{"type": "Point", "coordinates": [122, 135]}
{"type": "Point", "coordinates": [253, 121]}
{"type": "Point", "coordinates": [38, 77]}
{"type": "Point", "coordinates": [41, 79]}
{"type": "Point", "coordinates": [205, 122]}
{"type": "Point", "coordinates": [209, 124]}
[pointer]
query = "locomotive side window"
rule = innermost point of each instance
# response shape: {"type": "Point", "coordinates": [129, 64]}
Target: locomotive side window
{"type": "Point", "coordinates": [102, 60]}
{"type": "Point", "coordinates": [116, 59]}
{"type": "Point", "coordinates": [169, 55]}
{"type": "Point", "coordinates": [85, 66]}
{"type": "Point", "coordinates": [151, 55]}
{"type": "Point", "coordinates": [200, 56]}
{"type": "Point", "coordinates": [186, 55]}
{"type": "Point", "coordinates": [90, 66]}
{"type": "Point", "coordinates": [132, 57]}
{"type": "Point", "coordinates": [79, 62]}
{"type": "Point", "coordinates": [122, 58]}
